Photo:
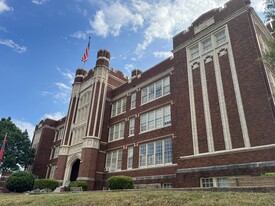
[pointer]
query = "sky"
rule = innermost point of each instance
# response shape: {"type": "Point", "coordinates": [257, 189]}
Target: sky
{"type": "Point", "coordinates": [42, 43]}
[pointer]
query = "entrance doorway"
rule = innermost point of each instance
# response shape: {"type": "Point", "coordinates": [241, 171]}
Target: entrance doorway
{"type": "Point", "coordinates": [75, 169]}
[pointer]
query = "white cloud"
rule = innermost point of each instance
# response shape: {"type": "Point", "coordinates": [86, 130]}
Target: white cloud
{"type": "Point", "coordinates": [156, 19]}
{"type": "Point", "coordinates": [113, 17]}
{"type": "Point", "coordinates": [4, 6]}
{"type": "Point", "coordinates": [10, 43]}
{"type": "Point", "coordinates": [129, 68]}
{"type": "Point", "coordinates": [162, 54]}
{"type": "Point", "coordinates": [24, 125]}
{"type": "Point", "coordinates": [39, 2]}
{"type": "Point", "coordinates": [259, 5]}
{"type": "Point", "coordinates": [62, 91]}
{"type": "Point", "coordinates": [68, 75]}
{"type": "Point", "coordinates": [79, 35]}
{"type": "Point", "coordinates": [54, 116]}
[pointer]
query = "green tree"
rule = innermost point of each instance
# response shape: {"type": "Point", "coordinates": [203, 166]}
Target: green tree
{"type": "Point", "coordinates": [269, 55]}
{"type": "Point", "coordinates": [269, 10]}
{"type": "Point", "coordinates": [18, 151]}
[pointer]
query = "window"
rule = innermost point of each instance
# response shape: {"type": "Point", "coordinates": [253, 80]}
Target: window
{"type": "Point", "coordinates": [131, 126]}
{"type": "Point", "coordinates": [52, 171]}
{"type": "Point", "coordinates": [130, 157]}
{"type": "Point", "coordinates": [155, 119]}
{"type": "Point", "coordinates": [155, 90]}
{"type": "Point", "coordinates": [133, 100]}
{"type": "Point", "coordinates": [83, 106]}
{"type": "Point", "coordinates": [207, 182]}
{"type": "Point", "coordinates": [207, 45]}
{"type": "Point", "coordinates": [114, 160]}
{"type": "Point", "coordinates": [60, 134]}
{"type": "Point", "coordinates": [116, 131]}
{"type": "Point", "coordinates": [118, 107]}
{"type": "Point", "coordinates": [194, 51]}
{"type": "Point", "coordinates": [215, 182]}
{"type": "Point", "coordinates": [56, 152]}
{"type": "Point", "coordinates": [167, 185]}
{"type": "Point", "coordinates": [223, 182]}
{"type": "Point", "coordinates": [155, 153]}
{"type": "Point", "coordinates": [220, 37]}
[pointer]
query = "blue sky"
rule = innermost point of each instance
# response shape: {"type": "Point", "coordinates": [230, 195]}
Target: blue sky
{"type": "Point", "coordinates": [42, 42]}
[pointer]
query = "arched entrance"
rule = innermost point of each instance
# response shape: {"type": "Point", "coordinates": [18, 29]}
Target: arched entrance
{"type": "Point", "coordinates": [74, 171]}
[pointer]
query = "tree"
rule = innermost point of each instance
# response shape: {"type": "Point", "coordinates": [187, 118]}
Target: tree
{"type": "Point", "coordinates": [269, 10]}
{"type": "Point", "coordinates": [18, 151]}
{"type": "Point", "coordinates": [269, 55]}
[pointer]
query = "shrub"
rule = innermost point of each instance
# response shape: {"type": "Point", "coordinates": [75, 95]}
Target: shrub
{"type": "Point", "coordinates": [120, 182]}
{"type": "Point", "coordinates": [84, 185]}
{"type": "Point", "coordinates": [269, 174]}
{"type": "Point", "coordinates": [45, 184]}
{"type": "Point", "coordinates": [20, 181]}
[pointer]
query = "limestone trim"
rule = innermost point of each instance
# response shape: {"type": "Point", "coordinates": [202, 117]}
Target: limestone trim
{"type": "Point", "coordinates": [224, 152]}
{"type": "Point", "coordinates": [86, 178]}
{"type": "Point", "coordinates": [226, 167]}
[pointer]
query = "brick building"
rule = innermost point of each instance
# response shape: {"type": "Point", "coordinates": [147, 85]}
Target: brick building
{"type": "Point", "coordinates": [201, 118]}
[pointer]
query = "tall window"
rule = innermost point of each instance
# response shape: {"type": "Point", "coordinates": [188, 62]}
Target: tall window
{"type": "Point", "coordinates": [118, 107]}
{"type": "Point", "coordinates": [114, 160]}
{"type": "Point", "coordinates": [155, 153]}
{"type": "Point", "coordinates": [207, 45]}
{"type": "Point", "coordinates": [60, 134]}
{"type": "Point", "coordinates": [130, 157]}
{"type": "Point", "coordinates": [116, 131]}
{"type": "Point", "coordinates": [131, 126]}
{"type": "Point", "coordinates": [155, 90]}
{"type": "Point", "coordinates": [52, 171]}
{"type": "Point", "coordinates": [83, 106]}
{"type": "Point", "coordinates": [133, 100]}
{"type": "Point", "coordinates": [56, 152]}
{"type": "Point", "coordinates": [194, 51]}
{"type": "Point", "coordinates": [155, 119]}
{"type": "Point", "coordinates": [220, 37]}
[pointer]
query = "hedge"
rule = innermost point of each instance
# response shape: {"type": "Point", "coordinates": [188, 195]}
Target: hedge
{"type": "Point", "coordinates": [120, 182]}
{"type": "Point", "coordinates": [20, 181]}
{"type": "Point", "coordinates": [45, 184]}
{"type": "Point", "coordinates": [84, 185]}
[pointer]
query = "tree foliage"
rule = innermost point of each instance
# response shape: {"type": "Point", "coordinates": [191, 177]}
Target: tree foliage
{"type": "Point", "coordinates": [269, 9]}
{"type": "Point", "coordinates": [20, 181]}
{"type": "Point", "coordinates": [18, 151]}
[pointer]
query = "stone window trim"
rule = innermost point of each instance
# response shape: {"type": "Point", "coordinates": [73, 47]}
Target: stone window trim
{"type": "Point", "coordinates": [155, 90]}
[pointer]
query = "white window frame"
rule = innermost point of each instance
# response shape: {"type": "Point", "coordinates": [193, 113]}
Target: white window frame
{"type": "Point", "coordinates": [148, 124]}
{"type": "Point", "coordinates": [194, 51]}
{"type": "Point", "coordinates": [113, 160]}
{"type": "Point", "coordinates": [133, 100]}
{"type": "Point", "coordinates": [132, 126]}
{"type": "Point", "coordinates": [147, 153]}
{"type": "Point", "coordinates": [207, 45]}
{"type": "Point", "coordinates": [220, 37]}
{"type": "Point", "coordinates": [148, 93]}
{"type": "Point", "coordinates": [130, 157]}
{"type": "Point", "coordinates": [116, 132]}
{"type": "Point", "coordinates": [118, 107]}
{"type": "Point", "coordinates": [220, 182]}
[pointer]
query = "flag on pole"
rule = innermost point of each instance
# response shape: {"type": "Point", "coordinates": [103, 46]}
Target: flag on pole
{"type": "Point", "coordinates": [86, 54]}
{"type": "Point", "coordinates": [3, 148]}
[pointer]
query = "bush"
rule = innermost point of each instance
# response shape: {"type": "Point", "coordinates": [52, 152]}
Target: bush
{"type": "Point", "coordinates": [120, 182]}
{"type": "Point", "coordinates": [20, 181]}
{"type": "Point", "coordinates": [269, 174]}
{"type": "Point", "coordinates": [84, 185]}
{"type": "Point", "coordinates": [45, 184]}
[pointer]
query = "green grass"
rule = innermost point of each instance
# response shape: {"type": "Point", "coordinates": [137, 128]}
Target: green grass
{"type": "Point", "coordinates": [140, 198]}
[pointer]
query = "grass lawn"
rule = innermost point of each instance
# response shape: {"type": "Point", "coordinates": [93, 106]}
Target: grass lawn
{"type": "Point", "coordinates": [144, 197]}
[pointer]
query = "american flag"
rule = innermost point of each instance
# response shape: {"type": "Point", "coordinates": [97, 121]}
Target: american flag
{"type": "Point", "coordinates": [86, 54]}
{"type": "Point", "coordinates": [3, 148]}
